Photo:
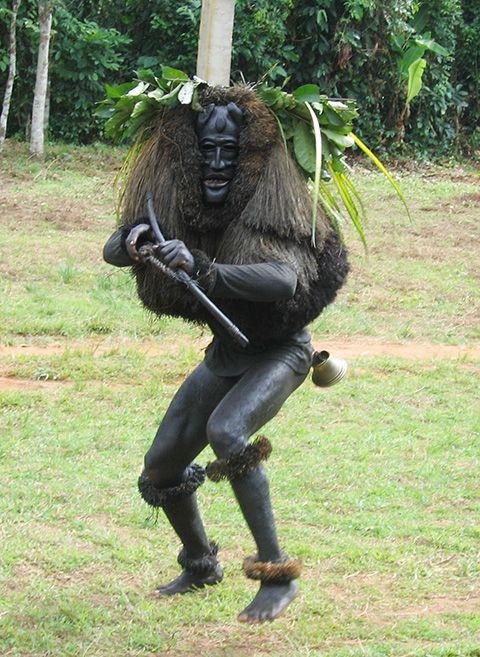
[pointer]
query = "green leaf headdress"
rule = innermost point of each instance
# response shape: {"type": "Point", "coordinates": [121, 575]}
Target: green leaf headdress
{"type": "Point", "coordinates": [315, 129]}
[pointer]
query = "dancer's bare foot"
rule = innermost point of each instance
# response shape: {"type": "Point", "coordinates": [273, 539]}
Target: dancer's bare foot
{"type": "Point", "coordinates": [269, 603]}
{"type": "Point", "coordinates": [189, 581]}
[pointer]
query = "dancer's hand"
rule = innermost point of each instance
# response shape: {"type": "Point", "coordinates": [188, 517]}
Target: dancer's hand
{"type": "Point", "coordinates": [175, 255]}
{"type": "Point", "coordinates": [138, 235]}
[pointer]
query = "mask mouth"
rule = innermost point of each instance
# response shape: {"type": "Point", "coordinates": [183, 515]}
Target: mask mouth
{"type": "Point", "coordinates": [216, 182]}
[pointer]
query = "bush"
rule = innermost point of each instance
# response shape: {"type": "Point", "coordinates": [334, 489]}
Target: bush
{"type": "Point", "coordinates": [351, 48]}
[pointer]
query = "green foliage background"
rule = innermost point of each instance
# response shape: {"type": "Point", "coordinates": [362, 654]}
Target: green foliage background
{"type": "Point", "coordinates": [350, 48]}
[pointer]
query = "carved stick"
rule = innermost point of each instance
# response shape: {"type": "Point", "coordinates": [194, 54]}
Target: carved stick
{"type": "Point", "coordinates": [182, 277]}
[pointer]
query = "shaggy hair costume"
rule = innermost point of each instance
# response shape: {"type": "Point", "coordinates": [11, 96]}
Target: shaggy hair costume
{"type": "Point", "coordinates": [266, 217]}
{"type": "Point", "coordinates": [239, 464]}
{"type": "Point", "coordinates": [202, 565]}
{"type": "Point", "coordinates": [158, 497]}
{"type": "Point", "coordinates": [278, 572]}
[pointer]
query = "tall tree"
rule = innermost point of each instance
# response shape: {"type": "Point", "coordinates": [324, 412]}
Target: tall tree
{"type": "Point", "coordinates": [12, 71]}
{"type": "Point", "coordinates": [215, 41]}
{"type": "Point", "coordinates": [45, 11]}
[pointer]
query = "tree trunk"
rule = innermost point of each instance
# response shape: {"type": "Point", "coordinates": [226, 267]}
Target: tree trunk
{"type": "Point", "coordinates": [12, 71]}
{"type": "Point", "coordinates": [215, 41]}
{"type": "Point", "coordinates": [46, 117]}
{"type": "Point", "coordinates": [38, 112]}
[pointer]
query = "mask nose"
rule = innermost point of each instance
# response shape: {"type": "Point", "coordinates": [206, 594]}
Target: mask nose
{"type": "Point", "coordinates": [218, 162]}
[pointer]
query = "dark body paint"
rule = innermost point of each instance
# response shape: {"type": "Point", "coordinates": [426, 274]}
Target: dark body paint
{"type": "Point", "coordinates": [226, 410]}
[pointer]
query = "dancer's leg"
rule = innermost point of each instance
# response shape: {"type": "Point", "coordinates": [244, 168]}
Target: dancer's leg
{"type": "Point", "coordinates": [254, 400]}
{"type": "Point", "coordinates": [180, 437]}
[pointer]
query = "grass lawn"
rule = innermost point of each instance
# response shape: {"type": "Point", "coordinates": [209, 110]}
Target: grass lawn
{"type": "Point", "coordinates": [375, 481]}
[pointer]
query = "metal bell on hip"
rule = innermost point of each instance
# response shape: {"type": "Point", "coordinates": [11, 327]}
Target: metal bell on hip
{"type": "Point", "coordinates": [327, 370]}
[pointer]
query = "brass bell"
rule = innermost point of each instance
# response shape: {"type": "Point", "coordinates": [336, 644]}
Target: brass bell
{"type": "Point", "coordinates": [327, 370]}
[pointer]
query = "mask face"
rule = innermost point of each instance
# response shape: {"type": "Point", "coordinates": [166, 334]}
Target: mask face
{"type": "Point", "coordinates": [218, 130]}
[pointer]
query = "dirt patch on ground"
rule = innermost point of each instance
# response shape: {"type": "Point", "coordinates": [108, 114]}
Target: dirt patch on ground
{"type": "Point", "coordinates": [440, 240]}
{"type": "Point", "coordinates": [17, 383]}
{"type": "Point", "coordinates": [349, 349]}
{"type": "Point", "coordinates": [61, 213]}
{"type": "Point", "coordinates": [11, 383]}
{"type": "Point", "coordinates": [381, 606]}
{"type": "Point", "coordinates": [455, 205]}
{"type": "Point", "coordinates": [231, 640]}
{"type": "Point", "coordinates": [344, 347]}
{"type": "Point", "coordinates": [470, 199]}
{"type": "Point", "coordinates": [436, 606]}
{"type": "Point", "coordinates": [417, 350]}
{"type": "Point", "coordinates": [101, 346]}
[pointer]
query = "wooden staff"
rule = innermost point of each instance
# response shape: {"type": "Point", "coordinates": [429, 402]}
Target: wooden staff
{"type": "Point", "coordinates": [182, 277]}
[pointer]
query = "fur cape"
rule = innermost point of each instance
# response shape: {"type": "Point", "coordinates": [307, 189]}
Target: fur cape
{"type": "Point", "coordinates": [266, 217]}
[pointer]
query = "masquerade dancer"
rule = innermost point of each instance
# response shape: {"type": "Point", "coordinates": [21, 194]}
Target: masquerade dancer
{"type": "Point", "coordinates": [236, 214]}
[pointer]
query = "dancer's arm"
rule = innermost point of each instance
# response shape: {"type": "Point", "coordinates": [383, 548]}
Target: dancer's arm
{"type": "Point", "coordinates": [260, 282]}
{"type": "Point", "coordinates": [114, 251]}
{"type": "Point", "coordinates": [121, 247]}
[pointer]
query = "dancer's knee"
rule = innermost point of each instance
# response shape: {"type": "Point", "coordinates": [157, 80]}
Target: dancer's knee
{"type": "Point", "coordinates": [222, 439]}
{"type": "Point", "coordinates": [161, 468]}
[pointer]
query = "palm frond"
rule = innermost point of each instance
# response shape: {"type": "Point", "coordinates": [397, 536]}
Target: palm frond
{"type": "Point", "coordinates": [318, 167]}
{"type": "Point", "coordinates": [348, 202]}
{"type": "Point", "coordinates": [382, 168]}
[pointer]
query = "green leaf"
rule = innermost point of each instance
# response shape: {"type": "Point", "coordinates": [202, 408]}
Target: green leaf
{"type": "Point", "coordinates": [173, 74]}
{"type": "Point", "coordinates": [331, 206]}
{"type": "Point", "coordinates": [125, 105]}
{"type": "Point", "coordinates": [139, 108]}
{"type": "Point", "coordinates": [170, 99]}
{"type": "Point", "coordinates": [318, 167]}
{"type": "Point", "coordinates": [430, 44]}
{"type": "Point", "coordinates": [304, 146]}
{"type": "Point", "coordinates": [162, 84]}
{"type": "Point", "coordinates": [288, 124]}
{"type": "Point", "coordinates": [421, 18]}
{"type": "Point", "coordinates": [342, 141]}
{"type": "Point", "coordinates": [327, 150]}
{"type": "Point", "coordinates": [105, 112]}
{"type": "Point", "coordinates": [270, 95]}
{"type": "Point", "coordinates": [138, 90]}
{"type": "Point", "coordinates": [114, 126]}
{"type": "Point", "coordinates": [338, 164]}
{"type": "Point", "coordinates": [410, 56]}
{"type": "Point", "coordinates": [307, 93]}
{"type": "Point", "coordinates": [156, 94]}
{"type": "Point", "coordinates": [381, 168]}
{"type": "Point", "coordinates": [186, 92]}
{"type": "Point", "coordinates": [115, 91]}
{"type": "Point", "coordinates": [146, 75]}
{"type": "Point", "coordinates": [331, 117]}
{"type": "Point", "coordinates": [132, 129]}
{"type": "Point", "coordinates": [300, 112]}
{"type": "Point", "coordinates": [349, 203]}
{"type": "Point", "coordinates": [415, 72]}
{"type": "Point", "coordinates": [351, 113]}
